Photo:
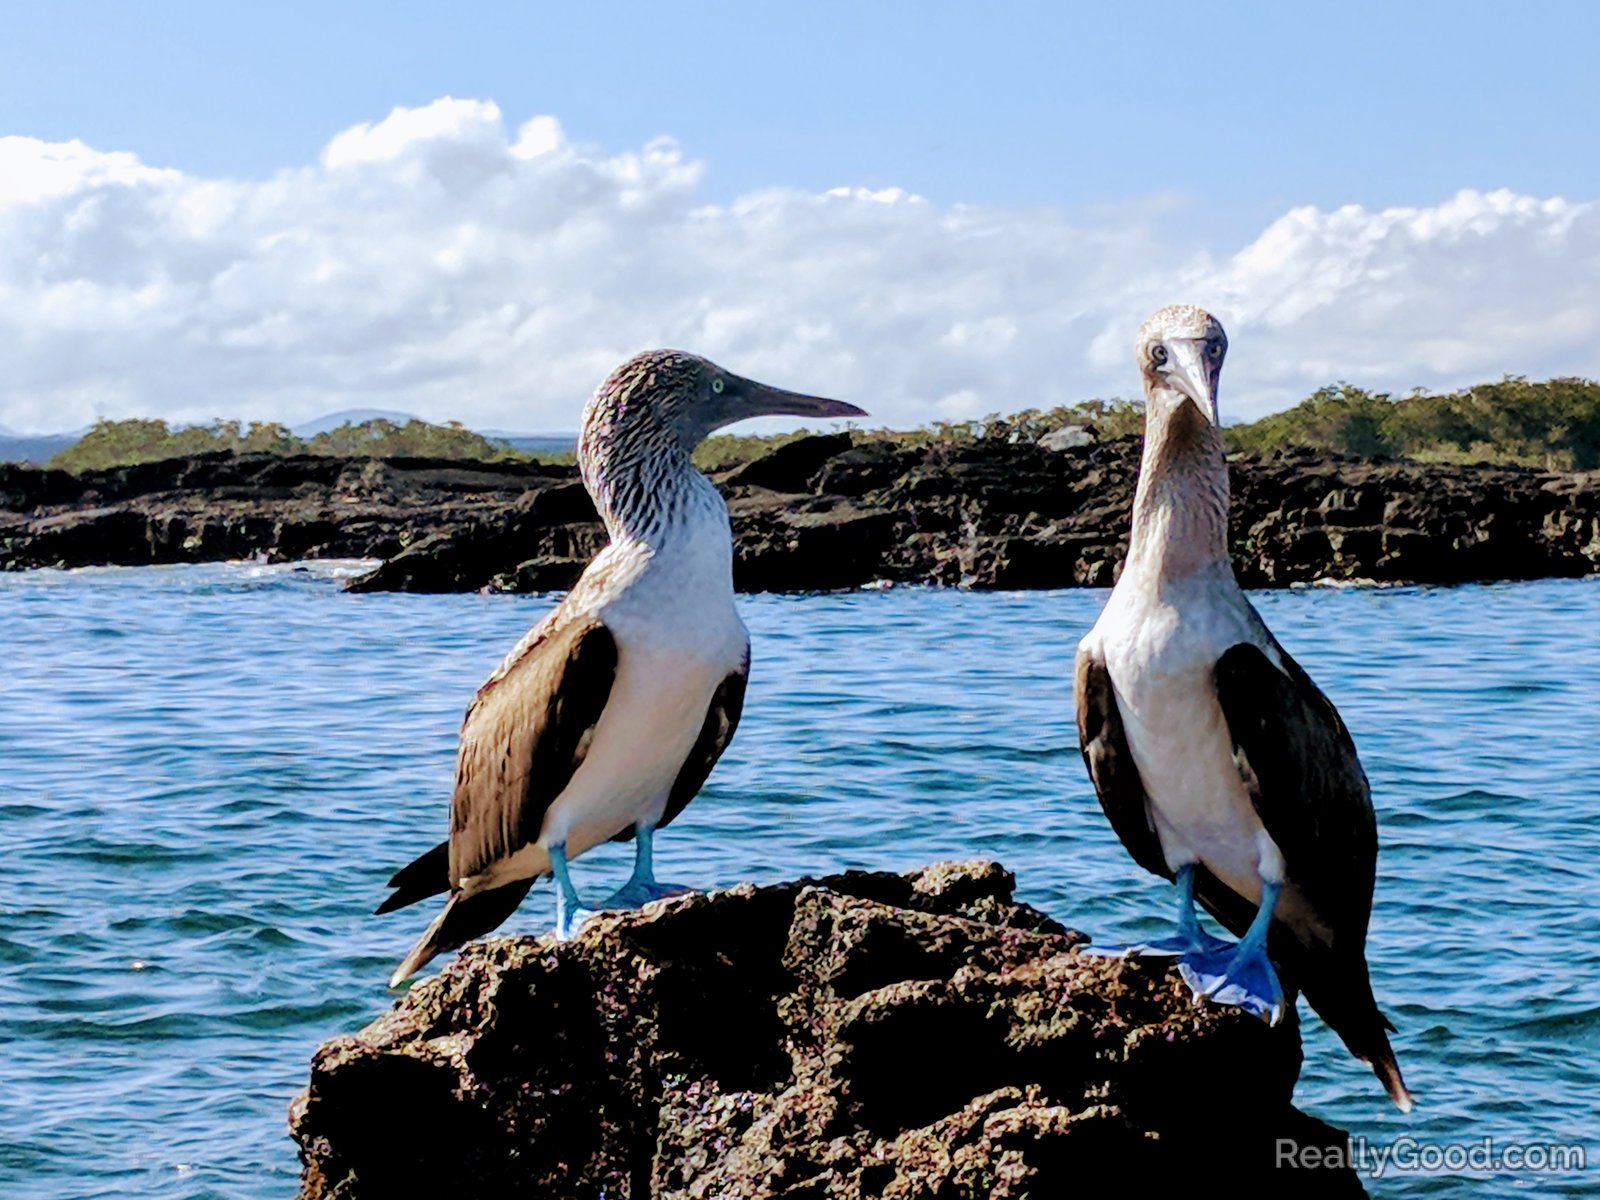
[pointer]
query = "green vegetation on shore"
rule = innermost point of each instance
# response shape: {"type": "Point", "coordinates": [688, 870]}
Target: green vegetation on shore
{"type": "Point", "coordinates": [123, 443]}
{"type": "Point", "coordinates": [1554, 424]}
{"type": "Point", "coordinates": [1110, 419]}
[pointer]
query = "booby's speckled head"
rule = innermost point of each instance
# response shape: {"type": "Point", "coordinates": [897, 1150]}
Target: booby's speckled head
{"type": "Point", "coordinates": [1181, 349]}
{"type": "Point", "coordinates": [671, 395]}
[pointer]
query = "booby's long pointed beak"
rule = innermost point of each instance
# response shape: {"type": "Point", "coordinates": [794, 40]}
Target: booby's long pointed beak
{"type": "Point", "coordinates": [1195, 374]}
{"type": "Point", "coordinates": [752, 399]}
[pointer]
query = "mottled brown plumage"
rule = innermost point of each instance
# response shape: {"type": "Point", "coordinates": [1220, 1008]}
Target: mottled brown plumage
{"type": "Point", "coordinates": [606, 719]}
{"type": "Point", "coordinates": [524, 736]}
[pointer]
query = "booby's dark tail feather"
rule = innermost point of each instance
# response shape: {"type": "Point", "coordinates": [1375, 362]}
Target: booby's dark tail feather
{"type": "Point", "coordinates": [1387, 1070]}
{"type": "Point", "coordinates": [427, 876]}
{"type": "Point", "coordinates": [1371, 1046]}
{"type": "Point", "coordinates": [463, 918]}
{"type": "Point", "coordinates": [1335, 983]}
{"type": "Point", "coordinates": [1342, 996]}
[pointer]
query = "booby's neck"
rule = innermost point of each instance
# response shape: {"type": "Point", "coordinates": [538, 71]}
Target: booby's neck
{"type": "Point", "coordinates": [647, 490]}
{"type": "Point", "coordinates": [1180, 509]}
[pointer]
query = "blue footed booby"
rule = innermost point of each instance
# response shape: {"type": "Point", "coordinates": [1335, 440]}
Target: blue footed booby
{"type": "Point", "coordinates": [1217, 761]}
{"type": "Point", "coordinates": [606, 719]}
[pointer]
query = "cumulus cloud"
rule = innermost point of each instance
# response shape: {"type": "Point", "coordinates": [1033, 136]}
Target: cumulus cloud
{"type": "Point", "coordinates": [439, 262]}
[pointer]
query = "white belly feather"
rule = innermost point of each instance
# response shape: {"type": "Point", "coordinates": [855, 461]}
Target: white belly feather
{"type": "Point", "coordinates": [657, 708]}
{"type": "Point", "coordinates": [678, 637]}
{"type": "Point", "coordinates": [1160, 653]}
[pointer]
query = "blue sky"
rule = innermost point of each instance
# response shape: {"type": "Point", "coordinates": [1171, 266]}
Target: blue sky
{"type": "Point", "coordinates": [1161, 133]}
{"type": "Point", "coordinates": [1237, 110]}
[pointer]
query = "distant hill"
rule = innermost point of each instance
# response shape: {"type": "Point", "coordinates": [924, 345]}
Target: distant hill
{"type": "Point", "coordinates": [525, 443]}
{"type": "Point", "coordinates": [120, 443]}
{"type": "Point", "coordinates": [535, 443]}
{"type": "Point", "coordinates": [348, 416]}
{"type": "Point", "coordinates": [33, 448]}
{"type": "Point", "coordinates": [382, 423]}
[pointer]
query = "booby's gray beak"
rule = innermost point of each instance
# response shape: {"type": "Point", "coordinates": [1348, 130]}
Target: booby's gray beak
{"type": "Point", "coordinates": [747, 398]}
{"type": "Point", "coordinates": [1194, 373]}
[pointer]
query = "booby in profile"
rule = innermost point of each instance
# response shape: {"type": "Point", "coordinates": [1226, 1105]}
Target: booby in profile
{"type": "Point", "coordinates": [606, 719]}
{"type": "Point", "coordinates": [1218, 762]}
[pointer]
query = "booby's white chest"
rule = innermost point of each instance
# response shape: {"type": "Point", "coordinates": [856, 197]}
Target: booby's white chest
{"type": "Point", "coordinates": [680, 599]}
{"type": "Point", "coordinates": [1160, 647]}
{"type": "Point", "coordinates": [678, 636]}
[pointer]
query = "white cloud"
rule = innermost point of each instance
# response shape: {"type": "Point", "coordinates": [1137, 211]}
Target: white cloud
{"type": "Point", "coordinates": [436, 262]}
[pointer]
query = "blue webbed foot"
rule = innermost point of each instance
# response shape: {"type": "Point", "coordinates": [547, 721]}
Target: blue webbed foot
{"type": "Point", "coordinates": [636, 893]}
{"type": "Point", "coordinates": [570, 921]}
{"type": "Point", "coordinates": [642, 887]}
{"type": "Point", "coordinates": [1197, 942]}
{"type": "Point", "coordinates": [1115, 950]}
{"type": "Point", "coordinates": [1241, 976]}
{"type": "Point", "coordinates": [570, 912]}
{"type": "Point", "coordinates": [1191, 938]}
{"type": "Point", "coordinates": [1245, 977]}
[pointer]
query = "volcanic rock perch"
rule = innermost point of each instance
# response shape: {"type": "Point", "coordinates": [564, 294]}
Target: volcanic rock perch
{"type": "Point", "coordinates": [862, 1035]}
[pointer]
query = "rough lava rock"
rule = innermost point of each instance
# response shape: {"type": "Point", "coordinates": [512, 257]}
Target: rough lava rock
{"type": "Point", "coordinates": [823, 512]}
{"type": "Point", "coordinates": [916, 1037]}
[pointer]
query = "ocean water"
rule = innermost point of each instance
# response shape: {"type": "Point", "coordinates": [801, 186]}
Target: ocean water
{"type": "Point", "coordinates": [207, 773]}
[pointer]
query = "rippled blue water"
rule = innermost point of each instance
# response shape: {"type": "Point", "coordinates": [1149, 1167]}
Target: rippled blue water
{"type": "Point", "coordinates": [207, 773]}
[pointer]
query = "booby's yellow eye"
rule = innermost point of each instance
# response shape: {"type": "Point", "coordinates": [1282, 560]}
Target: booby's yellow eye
{"type": "Point", "coordinates": [1215, 350]}
{"type": "Point", "coordinates": [717, 385]}
{"type": "Point", "coordinates": [1158, 354]}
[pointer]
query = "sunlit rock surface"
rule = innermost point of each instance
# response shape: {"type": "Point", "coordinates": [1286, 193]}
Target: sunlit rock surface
{"type": "Point", "coordinates": [863, 1035]}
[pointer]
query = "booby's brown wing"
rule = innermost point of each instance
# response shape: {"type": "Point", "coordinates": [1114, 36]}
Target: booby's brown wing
{"type": "Point", "coordinates": [1111, 767]}
{"type": "Point", "coordinates": [1299, 765]}
{"type": "Point", "coordinates": [524, 736]}
{"type": "Point", "coordinates": [722, 718]}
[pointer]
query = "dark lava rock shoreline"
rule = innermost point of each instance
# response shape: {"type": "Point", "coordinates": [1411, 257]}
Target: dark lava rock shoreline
{"type": "Point", "coordinates": [817, 514]}
{"type": "Point", "coordinates": [916, 1037]}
